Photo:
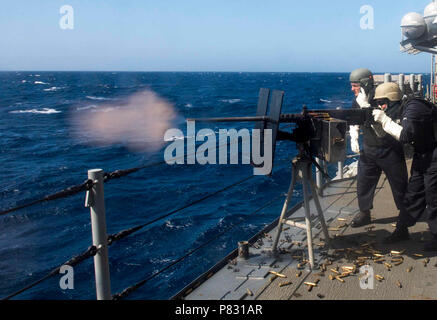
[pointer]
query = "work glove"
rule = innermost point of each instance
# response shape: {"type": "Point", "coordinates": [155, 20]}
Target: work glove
{"type": "Point", "coordinates": [354, 132]}
{"type": "Point", "coordinates": [388, 125]}
{"type": "Point", "coordinates": [362, 99]}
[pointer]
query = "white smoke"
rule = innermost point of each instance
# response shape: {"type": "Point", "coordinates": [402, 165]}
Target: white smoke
{"type": "Point", "coordinates": [140, 123]}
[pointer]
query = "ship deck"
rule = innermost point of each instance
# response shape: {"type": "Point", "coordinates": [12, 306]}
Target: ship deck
{"type": "Point", "coordinates": [411, 277]}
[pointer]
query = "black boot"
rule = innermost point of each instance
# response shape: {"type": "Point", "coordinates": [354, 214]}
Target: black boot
{"type": "Point", "coordinates": [432, 245]}
{"type": "Point", "coordinates": [400, 234]}
{"type": "Point", "coordinates": [361, 219]}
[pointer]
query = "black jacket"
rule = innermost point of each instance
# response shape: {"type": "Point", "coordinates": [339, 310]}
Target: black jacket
{"type": "Point", "coordinates": [418, 121]}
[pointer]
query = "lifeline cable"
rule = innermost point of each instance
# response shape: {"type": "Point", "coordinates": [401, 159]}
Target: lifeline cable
{"type": "Point", "coordinates": [122, 234]}
{"type": "Point", "coordinates": [136, 286]}
{"type": "Point", "coordinates": [87, 185]}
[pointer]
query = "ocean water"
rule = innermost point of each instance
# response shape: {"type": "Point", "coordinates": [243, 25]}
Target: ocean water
{"type": "Point", "coordinates": [41, 153]}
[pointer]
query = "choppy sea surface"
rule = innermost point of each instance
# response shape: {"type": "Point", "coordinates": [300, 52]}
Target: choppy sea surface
{"type": "Point", "coordinates": [40, 153]}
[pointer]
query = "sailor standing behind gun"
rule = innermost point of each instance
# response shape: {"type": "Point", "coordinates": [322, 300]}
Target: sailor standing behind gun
{"type": "Point", "coordinates": [380, 151]}
{"type": "Point", "coordinates": [419, 124]}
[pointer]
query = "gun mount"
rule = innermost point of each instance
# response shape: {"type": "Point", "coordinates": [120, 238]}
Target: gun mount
{"type": "Point", "coordinates": [319, 133]}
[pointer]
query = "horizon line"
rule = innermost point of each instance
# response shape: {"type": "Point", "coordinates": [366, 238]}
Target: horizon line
{"type": "Point", "coordinates": [141, 71]}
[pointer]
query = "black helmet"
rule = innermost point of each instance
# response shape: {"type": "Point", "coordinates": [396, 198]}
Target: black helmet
{"type": "Point", "coordinates": [364, 77]}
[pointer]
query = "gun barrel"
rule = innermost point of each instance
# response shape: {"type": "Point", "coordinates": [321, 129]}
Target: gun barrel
{"type": "Point", "coordinates": [352, 116]}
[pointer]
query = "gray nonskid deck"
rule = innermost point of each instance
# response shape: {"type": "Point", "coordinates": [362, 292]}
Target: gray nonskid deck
{"type": "Point", "coordinates": [252, 279]}
{"type": "Point", "coordinates": [247, 279]}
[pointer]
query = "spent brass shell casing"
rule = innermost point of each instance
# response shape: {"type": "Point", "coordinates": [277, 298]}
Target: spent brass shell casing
{"type": "Point", "coordinates": [335, 271]}
{"type": "Point", "coordinates": [399, 263]}
{"type": "Point", "coordinates": [397, 252]}
{"type": "Point", "coordinates": [339, 279]}
{"type": "Point", "coordinates": [379, 277]}
{"type": "Point", "coordinates": [341, 219]}
{"type": "Point", "coordinates": [418, 255]}
{"type": "Point", "coordinates": [283, 284]}
{"type": "Point", "coordinates": [298, 274]}
{"type": "Point", "coordinates": [312, 284]}
{"type": "Point", "coordinates": [331, 277]}
{"type": "Point", "coordinates": [273, 278]}
{"type": "Point", "coordinates": [378, 255]}
{"type": "Point", "coordinates": [409, 269]}
{"type": "Point", "coordinates": [399, 284]}
{"type": "Point", "coordinates": [250, 293]}
{"type": "Point", "coordinates": [426, 260]}
{"type": "Point", "coordinates": [278, 274]}
{"type": "Point", "coordinates": [388, 265]}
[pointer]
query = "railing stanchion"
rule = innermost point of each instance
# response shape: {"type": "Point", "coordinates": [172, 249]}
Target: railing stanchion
{"type": "Point", "coordinates": [96, 202]}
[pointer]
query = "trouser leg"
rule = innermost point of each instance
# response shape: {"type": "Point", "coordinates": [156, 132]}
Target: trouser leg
{"type": "Point", "coordinates": [415, 199]}
{"type": "Point", "coordinates": [395, 169]}
{"type": "Point", "coordinates": [368, 176]}
{"type": "Point", "coordinates": [431, 196]}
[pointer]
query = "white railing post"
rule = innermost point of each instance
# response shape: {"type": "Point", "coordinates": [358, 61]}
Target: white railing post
{"type": "Point", "coordinates": [96, 202]}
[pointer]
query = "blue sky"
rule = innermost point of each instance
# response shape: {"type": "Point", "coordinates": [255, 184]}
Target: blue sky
{"type": "Point", "coordinates": [203, 35]}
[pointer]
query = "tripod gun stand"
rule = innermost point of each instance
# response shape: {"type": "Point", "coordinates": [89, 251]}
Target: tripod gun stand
{"type": "Point", "coordinates": [302, 167]}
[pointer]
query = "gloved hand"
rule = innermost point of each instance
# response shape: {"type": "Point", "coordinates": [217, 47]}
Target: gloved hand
{"type": "Point", "coordinates": [388, 125]}
{"type": "Point", "coordinates": [363, 99]}
{"type": "Point", "coordinates": [354, 132]}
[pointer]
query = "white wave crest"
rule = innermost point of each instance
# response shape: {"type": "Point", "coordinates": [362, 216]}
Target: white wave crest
{"type": "Point", "coordinates": [40, 82]}
{"type": "Point", "coordinates": [99, 98]}
{"type": "Point", "coordinates": [327, 101]}
{"type": "Point", "coordinates": [54, 89]}
{"type": "Point", "coordinates": [37, 111]}
{"type": "Point", "coordinates": [93, 106]}
{"type": "Point", "coordinates": [231, 101]}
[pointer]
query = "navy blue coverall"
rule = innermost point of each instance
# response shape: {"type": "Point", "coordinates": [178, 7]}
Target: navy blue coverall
{"type": "Point", "coordinates": [421, 196]}
{"type": "Point", "coordinates": [381, 154]}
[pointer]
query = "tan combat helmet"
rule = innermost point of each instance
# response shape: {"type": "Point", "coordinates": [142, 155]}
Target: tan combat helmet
{"type": "Point", "coordinates": [389, 90]}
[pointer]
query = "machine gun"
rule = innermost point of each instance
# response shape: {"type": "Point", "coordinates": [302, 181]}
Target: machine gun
{"type": "Point", "coordinates": [320, 133]}
{"type": "Point", "coordinates": [317, 133]}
